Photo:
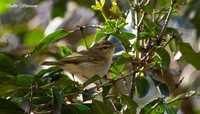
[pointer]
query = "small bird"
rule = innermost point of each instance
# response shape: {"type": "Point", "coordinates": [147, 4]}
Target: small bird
{"type": "Point", "coordinates": [87, 63]}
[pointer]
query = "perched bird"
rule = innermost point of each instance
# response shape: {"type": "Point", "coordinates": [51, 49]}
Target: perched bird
{"type": "Point", "coordinates": [94, 61]}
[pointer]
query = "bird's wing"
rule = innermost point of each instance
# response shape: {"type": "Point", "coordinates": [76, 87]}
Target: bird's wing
{"type": "Point", "coordinates": [82, 56]}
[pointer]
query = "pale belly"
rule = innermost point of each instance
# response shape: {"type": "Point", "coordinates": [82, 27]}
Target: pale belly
{"type": "Point", "coordinates": [87, 70]}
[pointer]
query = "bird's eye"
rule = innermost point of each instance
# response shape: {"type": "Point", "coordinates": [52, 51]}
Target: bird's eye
{"type": "Point", "coordinates": [106, 47]}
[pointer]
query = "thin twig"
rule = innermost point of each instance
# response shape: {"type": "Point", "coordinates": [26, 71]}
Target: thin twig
{"type": "Point", "coordinates": [142, 18]}
{"type": "Point", "coordinates": [120, 77]}
{"type": "Point", "coordinates": [167, 18]}
{"type": "Point", "coordinates": [182, 96]}
{"type": "Point", "coordinates": [81, 29]}
{"type": "Point", "coordinates": [148, 1]}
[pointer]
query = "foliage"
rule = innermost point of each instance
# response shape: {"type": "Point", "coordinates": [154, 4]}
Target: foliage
{"type": "Point", "coordinates": [147, 44]}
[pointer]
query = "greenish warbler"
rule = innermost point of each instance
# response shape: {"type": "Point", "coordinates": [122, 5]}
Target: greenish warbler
{"type": "Point", "coordinates": [87, 63]}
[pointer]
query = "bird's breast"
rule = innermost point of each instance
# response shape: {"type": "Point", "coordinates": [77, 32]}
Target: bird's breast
{"type": "Point", "coordinates": [87, 69]}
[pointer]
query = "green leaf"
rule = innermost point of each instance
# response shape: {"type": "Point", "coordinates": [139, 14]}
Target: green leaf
{"type": "Point", "coordinates": [189, 54]}
{"type": "Point", "coordinates": [42, 72]}
{"type": "Point", "coordinates": [141, 86]}
{"type": "Point", "coordinates": [7, 65]}
{"type": "Point", "coordinates": [126, 55]}
{"type": "Point", "coordinates": [8, 107]}
{"type": "Point", "coordinates": [70, 89]}
{"type": "Point", "coordinates": [65, 51]}
{"type": "Point", "coordinates": [40, 99]}
{"type": "Point", "coordinates": [100, 34]}
{"type": "Point", "coordinates": [105, 92]}
{"type": "Point", "coordinates": [182, 96]}
{"type": "Point", "coordinates": [102, 2]}
{"type": "Point", "coordinates": [115, 9]}
{"type": "Point", "coordinates": [97, 5]}
{"type": "Point", "coordinates": [48, 86]}
{"type": "Point", "coordinates": [24, 80]}
{"type": "Point", "coordinates": [152, 26]}
{"type": "Point", "coordinates": [94, 7]}
{"type": "Point", "coordinates": [124, 39]}
{"type": "Point", "coordinates": [75, 109]}
{"type": "Point", "coordinates": [127, 35]}
{"type": "Point", "coordinates": [116, 70]}
{"type": "Point", "coordinates": [91, 80]}
{"type": "Point", "coordinates": [7, 89]}
{"type": "Point", "coordinates": [51, 38]}
{"type": "Point", "coordinates": [163, 2]}
{"type": "Point", "coordinates": [100, 108]}
{"type": "Point", "coordinates": [6, 5]}
{"type": "Point", "coordinates": [132, 105]}
{"type": "Point", "coordinates": [144, 35]}
{"type": "Point", "coordinates": [122, 60]}
{"type": "Point", "coordinates": [169, 109]}
{"type": "Point", "coordinates": [150, 106]}
{"type": "Point", "coordinates": [164, 58]}
{"type": "Point", "coordinates": [160, 109]}
{"type": "Point", "coordinates": [58, 9]}
{"type": "Point", "coordinates": [176, 105]}
{"type": "Point", "coordinates": [163, 89]}
{"type": "Point", "coordinates": [32, 37]}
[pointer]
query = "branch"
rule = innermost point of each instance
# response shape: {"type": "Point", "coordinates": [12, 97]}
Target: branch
{"type": "Point", "coordinates": [167, 18]}
{"type": "Point", "coordinates": [81, 29]}
{"type": "Point", "coordinates": [119, 78]}
{"type": "Point", "coordinates": [183, 96]}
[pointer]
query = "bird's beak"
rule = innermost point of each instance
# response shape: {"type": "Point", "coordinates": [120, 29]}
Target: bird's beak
{"type": "Point", "coordinates": [113, 46]}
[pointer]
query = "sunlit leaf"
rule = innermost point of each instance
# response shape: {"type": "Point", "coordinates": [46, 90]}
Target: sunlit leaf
{"type": "Point", "coordinates": [160, 109]}
{"type": "Point", "coordinates": [65, 51]}
{"type": "Point", "coordinates": [102, 2]}
{"type": "Point", "coordinates": [6, 5]}
{"type": "Point", "coordinates": [141, 86]}
{"type": "Point", "coordinates": [100, 108]}
{"type": "Point", "coordinates": [32, 37]}
{"type": "Point", "coordinates": [115, 9]}
{"type": "Point", "coordinates": [150, 106]}
{"type": "Point", "coordinates": [97, 5]}
{"type": "Point", "coordinates": [51, 38]}
{"type": "Point", "coordinates": [122, 60]}
{"type": "Point", "coordinates": [100, 34]}
{"type": "Point", "coordinates": [94, 7]}
{"type": "Point", "coordinates": [127, 35]}
{"type": "Point", "coordinates": [116, 70]}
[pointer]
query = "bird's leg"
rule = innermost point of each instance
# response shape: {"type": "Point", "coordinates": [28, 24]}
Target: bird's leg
{"type": "Point", "coordinates": [73, 77]}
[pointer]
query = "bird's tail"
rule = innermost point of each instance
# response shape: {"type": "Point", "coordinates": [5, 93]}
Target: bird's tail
{"type": "Point", "coordinates": [52, 63]}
